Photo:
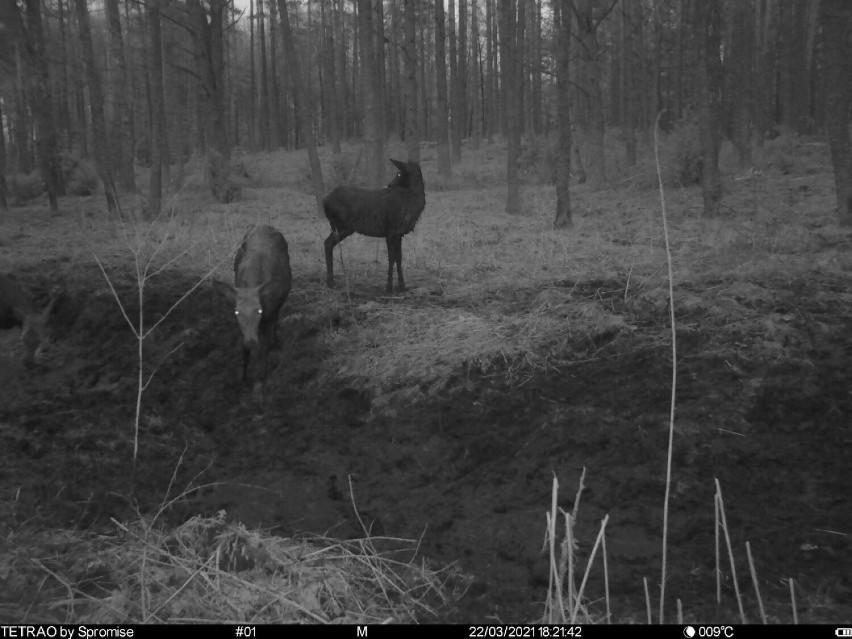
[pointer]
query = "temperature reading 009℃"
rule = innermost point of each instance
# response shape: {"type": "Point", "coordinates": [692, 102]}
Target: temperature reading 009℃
{"type": "Point", "coordinates": [708, 632]}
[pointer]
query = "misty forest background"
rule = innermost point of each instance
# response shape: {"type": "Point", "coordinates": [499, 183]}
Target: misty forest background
{"type": "Point", "coordinates": [91, 90]}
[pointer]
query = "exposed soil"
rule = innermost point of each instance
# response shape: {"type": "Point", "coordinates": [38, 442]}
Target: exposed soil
{"type": "Point", "coordinates": [470, 469]}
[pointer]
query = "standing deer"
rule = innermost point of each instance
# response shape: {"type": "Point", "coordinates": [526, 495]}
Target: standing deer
{"type": "Point", "coordinates": [262, 281]}
{"type": "Point", "coordinates": [390, 213]}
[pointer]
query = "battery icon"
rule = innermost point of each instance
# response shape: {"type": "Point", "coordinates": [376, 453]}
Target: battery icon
{"type": "Point", "coordinates": [843, 632]}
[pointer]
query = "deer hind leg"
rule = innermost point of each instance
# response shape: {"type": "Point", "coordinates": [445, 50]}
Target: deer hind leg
{"type": "Point", "coordinates": [391, 260]}
{"type": "Point", "coordinates": [397, 257]}
{"type": "Point", "coordinates": [334, 238]}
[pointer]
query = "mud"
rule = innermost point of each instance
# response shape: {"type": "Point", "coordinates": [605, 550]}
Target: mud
{"type": "Point", "coordinates": [469, 471]}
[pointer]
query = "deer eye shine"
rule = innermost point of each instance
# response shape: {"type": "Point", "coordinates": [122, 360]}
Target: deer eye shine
{"type": "Point", "coordinates": [236, 312]}
{"type": "Point", "coordinates": [260, 311]}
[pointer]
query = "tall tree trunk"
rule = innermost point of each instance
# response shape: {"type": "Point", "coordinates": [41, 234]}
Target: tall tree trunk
{"type": "Point", "coordinates": [409, 63]}
{"type": "Point", "coordinates": [302, 110]}
{"type": "Point", "coordinates": [741, 80]}
{"type": "Point", "coordinates": [681, 38]}
{"type": "Point", "coordinates": [462, 73]}
{"type": "Point", "coordinates": [502, 63]}
{"type": "Point", "coordinates": [155, 187]}
{"type": "Point", "coordinates": [811, 72]}
{"type": "Point", "coordinates": [441, 116]}
{"type": "Point", "coordinates": [330, 102]}
{"type": "Point", "coordinates": [46, 141]}
{"type": "Point", "coordinates": [396, 115]}
{"type": "Point", "coordinates": [836, 19]}
{"type": "Point", "coordinates": [20, 133]}
{"type": "Point", "coordinates": [66, 131]}
{"type": "Point", "coordinates": [373, 111]}
{"type": "Point", "coordinates": [455, 97]}
{"type": "Point", "coordinates": [562, 41]}
{"type": "Point", "coordinates": [591, 108]}
{"type": "Point", "coordinates": [537, 58]}
{"type": "Point", "coordinates": [379, 55]}
{"type": "Point", "coordinates": [766, 44]}
{"type": "Point", "coordinates": [520, 81]}
{"type": "Point", "coordinates": [477, 100]}
{"type": "Point", "coordinates": [274, 115]}
{"type": "Point", "coordinates": [340, 74]}
{"type": "Point", "coordinates": [3, 203]}
{"type": "Point", "coordinates": [707, 24]}
{"type": "Point", "coordinates": [794, 85]}
{"type": "Point", "coordinates": [489, 104]}
{"type": "Point", "coordinates": [103, 158]}
{"type": "Point", "coordinates": [264, 78]}
{"type": "Point", "coordinates": [81, 123]}
{"type": "Point", "coordinates": [252, 105]}
{"type": "Point", "coordinates": [628, 107]}
{"type": "Point", "coordinates": [510, 26]}
{"type": "Point", "coordinates": [208, 38]}
{"type": "Point", "coordinates": [121, 131]}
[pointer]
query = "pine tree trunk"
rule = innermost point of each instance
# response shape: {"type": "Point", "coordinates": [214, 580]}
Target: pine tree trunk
{"type": "Point", "coordinates": [396, 115]}
{"type": "Point", "coordinates": [707, 25]}
{"type": "Point", "coordinates": [331, 103]}
{"type": "Point", "coordinates": [302, 110]}
{"type": "Point", "coordinates": [121, 131]}
{"type": "Point", "coordinates": [3, 202]}
{"type": "Point", "coordinates": [512, 76]}
{"type": "Point", "coordinates": [455, 97]}
{"type": "Point", "coordinates": [383, 119]}
{"type": "Point", "coordinates": [46, 142]}
{"type": "Point", "coordinates": [836, 18]}
{"type": "Point", "coordinates": [765, 103]}
{"type": "Point", "coordinates": [208, 37]}
{"type": "Point", "coordinates": [441, 117]}
{"type": "Point", "coordinates": [628, 106]}
{"type": "Point", "coordinates": [371, 87]}
{"type": "Point", "coordinates": [562, 42]}
{"type": "Point", "coordinates": [409, 60]}
{"type": "Point", "coordinates": [477, 91]}
{"type": "Point", "coordinates": [462, 73]}
{"type": "Point", "coordinates": [537, 57]}
{"type": "Point", "coordinates": [20, 133]}
{"type": "Point", "coordinates": [155, 187]}
{"type": "Point", "coordinates": [274, 113]}
{"type": "Point", "coordinates": [103, 158]}
{"type": "Point", "coordinates": [264, 78]}
{"type": "Point", "coordinates": [66, 132]}
{"type": "Point", "coordinates": [252, 105]}
{"type": "Point", "coordinates": [423, 111]}
{"type": "Point", "coordinates": [489, 104]}
{"type": "Point", "coordinates": [590, 112]}
{"type": "Point", "coordinates": [741, 80]}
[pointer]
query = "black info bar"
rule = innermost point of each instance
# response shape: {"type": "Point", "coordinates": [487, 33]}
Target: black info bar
{"type": "Point", "coordinates": [395, 631]}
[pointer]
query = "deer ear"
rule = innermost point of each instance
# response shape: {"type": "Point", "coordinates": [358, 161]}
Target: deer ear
{"type": "Point", "coordinates": [226, 290]}
{"type": "Point", "coordinates": [399, 165]}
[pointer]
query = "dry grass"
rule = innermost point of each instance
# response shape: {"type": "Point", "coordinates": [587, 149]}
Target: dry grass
{"type": "Point", "coordinates": [210, 570]}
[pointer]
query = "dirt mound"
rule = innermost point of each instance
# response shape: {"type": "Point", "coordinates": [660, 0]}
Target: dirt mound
{"type": "Point", "coordinates": [470, 469]}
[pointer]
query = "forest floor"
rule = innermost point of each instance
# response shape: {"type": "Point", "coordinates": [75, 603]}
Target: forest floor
{"type": "Point", "coordinates": [519, 353]}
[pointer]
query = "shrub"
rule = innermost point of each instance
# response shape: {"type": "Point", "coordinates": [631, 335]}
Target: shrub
{"type": "Point", "coordinates": [23, 187]}
{"type": "Point", "coordinates": [681, 155]}
{"type": "Point", "coordinates": [79, 175]}
{"type": "Point", "coordinates": [537, 160]}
